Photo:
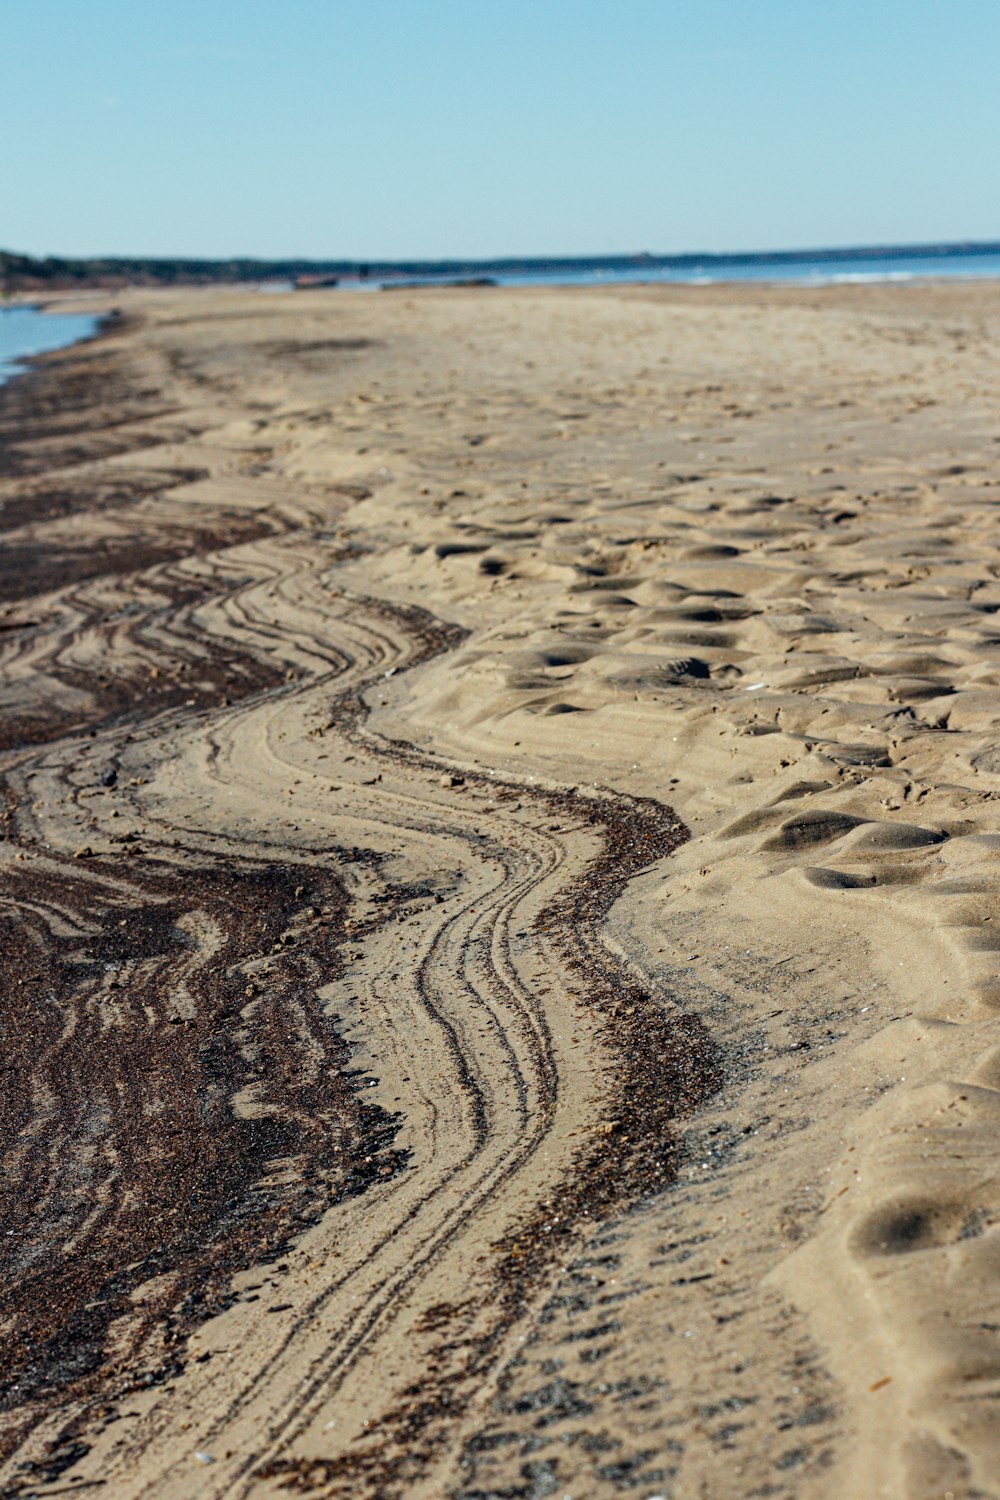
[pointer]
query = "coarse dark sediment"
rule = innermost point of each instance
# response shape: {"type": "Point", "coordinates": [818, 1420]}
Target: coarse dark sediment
{"type": "Point", "coordinates": [181, 1105]}
{"type": "Point", "coordinates": [176, 1104]}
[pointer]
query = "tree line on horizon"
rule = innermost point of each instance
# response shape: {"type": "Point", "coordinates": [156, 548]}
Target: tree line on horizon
{"type": "Point", "coordinates": [33, 273]}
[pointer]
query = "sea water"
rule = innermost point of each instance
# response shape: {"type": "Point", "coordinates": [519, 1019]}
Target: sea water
{"type": "Point", "coordinates": [818, 271]}
{"type": "Point", "coordinates": [26, 331]}
{"type": "Point", "coordinates": [796, 268]}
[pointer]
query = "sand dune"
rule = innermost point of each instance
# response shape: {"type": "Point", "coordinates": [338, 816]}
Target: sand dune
{"type": "Point", "coordinates": [500, 861]}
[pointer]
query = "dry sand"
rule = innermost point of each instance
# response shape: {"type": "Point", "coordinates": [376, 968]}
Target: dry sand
{"type": "Point", "coordinates": [500, 878]}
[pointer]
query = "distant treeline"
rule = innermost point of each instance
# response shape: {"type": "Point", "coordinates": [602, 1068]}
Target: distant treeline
{"type": "Point", "coordinates": [28, 273]}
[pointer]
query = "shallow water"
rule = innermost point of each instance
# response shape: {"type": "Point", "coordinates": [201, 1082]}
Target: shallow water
{"type": "Point", "coordinates": [821, 271]}
{"type": "Point", "coordinates": [25, 331]}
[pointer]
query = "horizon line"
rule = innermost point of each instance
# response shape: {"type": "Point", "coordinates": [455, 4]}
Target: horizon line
{"type": "Point", "coordinates": [864, 251]}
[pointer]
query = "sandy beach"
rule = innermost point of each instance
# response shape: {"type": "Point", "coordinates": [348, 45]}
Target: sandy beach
{"type": "Point", "coordinates": [501, 902]}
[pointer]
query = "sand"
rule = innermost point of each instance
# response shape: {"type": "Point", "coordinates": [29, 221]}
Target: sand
{"type": "Point", "coordinates": [500, 867]}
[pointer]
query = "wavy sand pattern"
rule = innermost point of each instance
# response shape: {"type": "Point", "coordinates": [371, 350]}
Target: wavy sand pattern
{"type": "Point", "coordinates": [499, 866]}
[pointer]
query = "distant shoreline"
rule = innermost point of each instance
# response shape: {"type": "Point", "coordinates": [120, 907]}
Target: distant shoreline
{"type": "Point", "coordinates": [23, 273]}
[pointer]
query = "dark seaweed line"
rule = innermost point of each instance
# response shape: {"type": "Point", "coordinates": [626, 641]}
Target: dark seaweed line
{"type": "Point", "coordinates": [121, 878]}
{"type": "Point", "coordinates": [124, 1147]}
{"type": "Point", "coordinates": [608, 1177]}
{"type": "Point", "coordinates": [464, 1208]}
{"type": "Point", "coordinates": [385, 644]}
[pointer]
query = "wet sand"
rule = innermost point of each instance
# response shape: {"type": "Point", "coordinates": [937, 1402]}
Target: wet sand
{"type": "Point", "coordinates": [499, 872]}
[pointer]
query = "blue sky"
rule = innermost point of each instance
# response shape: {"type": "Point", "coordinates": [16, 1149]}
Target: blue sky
{"type": "Point", "coordinates": [422, 128]}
